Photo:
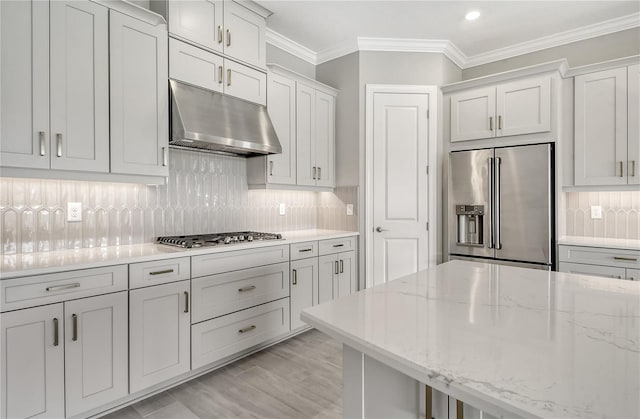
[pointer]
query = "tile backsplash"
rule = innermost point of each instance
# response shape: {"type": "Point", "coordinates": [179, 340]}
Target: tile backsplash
{"type": "Point", "coordinates": [204, 193]}
{"type": "Point", "coordinates": [620, 214]}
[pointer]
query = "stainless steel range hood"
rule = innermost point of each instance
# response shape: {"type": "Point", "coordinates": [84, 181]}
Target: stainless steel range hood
{"type": "Point", "coordinates": [210, 121]}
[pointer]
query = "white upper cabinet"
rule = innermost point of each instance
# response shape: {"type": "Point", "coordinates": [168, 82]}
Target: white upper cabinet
{"type": "Point", "coordinates": [281, 104]}
{"type": "Point", "coordinates": [601, 140]}
{"type": "Point", "coordinates": [24, 88]}
{"type": "Point", "coordinates": [519, 107]}
{"type": "Point", "coordinates": [325, 139]}
{"type": "Point", "coordinates": [633, 132]}
{"type": "Point", "coordinates": [139, 96]}
{"type": "Point", "coordinates": [235, 29]}
{"type": "Point", "coordinates": [245, 82]}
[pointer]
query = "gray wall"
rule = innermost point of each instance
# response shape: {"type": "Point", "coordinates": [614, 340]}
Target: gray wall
{"type": "Point", "coordinates": [277, 56]}
{"type": "Point", "coordinates": [590, 51]}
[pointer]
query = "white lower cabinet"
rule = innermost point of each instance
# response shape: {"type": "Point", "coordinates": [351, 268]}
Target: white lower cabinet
{"type": "Point", "coordinates": [633, 274]}
{"type": "Point", "coordinates": [600, 261]}
{"type": "Point", "coordinates": [304, 288]}
{"type": "Point", "coordinates": [33, 363]}
{"type": "Point", "coordinates": [337, 276]}
{"type": "Point", "coordinates": [581, 268]}
{"type": "Point", "coordinates": [159, 341]}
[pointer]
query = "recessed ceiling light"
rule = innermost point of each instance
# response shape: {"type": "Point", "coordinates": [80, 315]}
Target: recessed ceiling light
{"type": "Point", "coordinates": [472, 15]}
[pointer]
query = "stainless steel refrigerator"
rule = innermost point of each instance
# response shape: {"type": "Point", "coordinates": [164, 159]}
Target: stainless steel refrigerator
{"type": "Point", "coordinates": [500, 205]}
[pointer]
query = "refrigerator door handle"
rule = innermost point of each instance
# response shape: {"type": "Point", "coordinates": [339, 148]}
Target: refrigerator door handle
{"type": "Point", "coordinates": [490, 209]}
{"type": "Point", "coordinates": [496, 205]}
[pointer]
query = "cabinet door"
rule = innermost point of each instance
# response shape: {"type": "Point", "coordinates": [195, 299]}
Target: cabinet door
{"type": "Point", "coordinates": [96, 351]}
{"type": "Point", "coordinates": [327, 268]}
{"type": "Point", "coordinates": [325, 139]}
{"type": "Point", "coordinates": [523, 107]}
{"type": "Point", "coordinates": [79, 86]}
{"type": "Point", "coordinates": [198, 21]}
{"type": "Point", "coordinates": [24, 84]}
{"type": "Point", "coordinates": [601, 128]}
{"type": "Point", "coordinates": [139, 97]}
{"type": "Point", "coordinates": [281, 104]}
{"type": "Point", "coordinates": [245, 82]}
{"type": "Point", "coordinates": [195, 66]}
{"type": "Point", "coordinates": [305, 135]}
{"type": "Point", "coordinates": [245, 34]}
{"type": "Point", "coordinates": [633, 274]}
{"type": "Point", "coordinates": [633, 138]}
{"type": "Point", "coordinates": [304, 288]}
{"type": "Point", "coordinates": [159, 329]}
{"type": "Point", "coordinates": [346, 281]}
{"type": "Point", "coordinates": [473, 114]}
{"type": "Point", "coordinates": [32, 366]}
{"type": "Point", "coordinates": [596, 270]}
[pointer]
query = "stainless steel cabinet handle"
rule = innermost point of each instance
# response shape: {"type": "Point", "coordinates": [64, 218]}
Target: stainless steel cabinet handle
{"type": "Point", "coordinates": [228, 37]}
{"type": "Point", "coordinates": [247, 329]}
{"type": "Point", "coordinates": [380, 229]}
{"type": "Point", "coordinates": [490, 203]}
{"type": "Point", "coordinates": [56, 331]}
{"type": "Point", "coordinates": [271, 168]}
{"type": "Point", "coordinates": [319, 172]}
{"type": "Point", "coordinates": [165, 271]}
{"type": "Point", "coordinates": [621, 169]}
{"type": "Point", "coordinates": [337, 268]}
{"type": "Point", "coordinates": [228, 77]}
{"type": "Point", "coordinates": [632, 164]}
{"type": "Point", "coordinates": [74, 318]}
{"type": "Point", "coordinates": [247, 288]}
{"type": "Point", "coordinates": [59, 145]}
{"type": "Point", "coordinates": [42, 144]}
{"type": "Point", "coordinates": [165, 156]}
{"type": "Point", "coordinates": [220, 74]}
{"type": "Point", "coordinates": [491, 123]}
{"type": "Point", "coordinates": [499, 121]}
{"type": "Point", "coordinates": [219, 34]}
{"type": "Point", "coordinates": [294, 280]}
{"type": "Point", "coordinates": [498, 242]}
{"type": "Point", "coordinates": [314, 173]}
{"type": "Point", "coordinates": [305, 250]}
{"type": "Point", "coordinates": [341, 266]}
{"type": "Point", "coordinates": [625, 258]}
{"type": "Point", "coordinates": [186, 302]}
{"type": "Point", "coordinates": [63, 287]}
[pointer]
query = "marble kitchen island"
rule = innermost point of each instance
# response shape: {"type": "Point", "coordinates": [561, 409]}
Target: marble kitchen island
{"type": "Point", "coordinates": [510, 342]}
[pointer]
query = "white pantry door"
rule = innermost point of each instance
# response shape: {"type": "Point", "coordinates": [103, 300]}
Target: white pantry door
{"type": "Point", "coordinates": [399, 185]}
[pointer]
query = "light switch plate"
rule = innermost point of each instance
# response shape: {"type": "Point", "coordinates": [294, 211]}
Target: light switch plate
{"type": "Point", "coordinates": [74, 211]}
{"type": "Point", "coordinates": [596, 212]}
{"type": "Point", "coordinates": [282, 209]}
{"type": "Point", "coordinates": [349, 209]}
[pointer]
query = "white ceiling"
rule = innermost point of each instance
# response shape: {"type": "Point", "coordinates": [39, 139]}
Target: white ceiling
{"type": "Point", "coordinates": [327, 27]}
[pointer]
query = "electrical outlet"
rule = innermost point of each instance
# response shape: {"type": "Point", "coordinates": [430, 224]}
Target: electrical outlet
{"type": "Point", "coordinates": [349, 209]}
{"type": "Point", "coordinates": [596, 212]}
{"type": "Point", "coordinates": [282, 209]}
{"type": "Point", "coordinates": [74, 211]}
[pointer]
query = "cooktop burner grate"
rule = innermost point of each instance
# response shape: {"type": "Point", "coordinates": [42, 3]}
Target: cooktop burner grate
{"type": "Point", "coordinates": [215, 239]}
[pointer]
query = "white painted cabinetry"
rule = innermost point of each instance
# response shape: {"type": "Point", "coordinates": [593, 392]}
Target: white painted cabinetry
{"type": "Point", "coordinates": [281, 104]}
{"type": "Point", "coordinates": [337, 271]}
{"type": "Point", "coordinates": [139, 96]}
{"type": "Point", "coordinates": [518, 107]}
{"type": "Point", "coordinates": [159, 329]}
{"type": "Point", "coordinates": [633, 128]}
{"type": "Point", "coordinates": [600, 261]}
{"type": "Point", "coordinates": [200, 21]}
{"type": "Point", "coordinates": [245, 34]}
{"type": "Point", "coordinates": [304, 288]}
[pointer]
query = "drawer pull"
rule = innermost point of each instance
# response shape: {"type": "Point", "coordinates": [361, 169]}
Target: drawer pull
{"type": "Point", "coordinates": [625, 258]}
{"type": "Point", "coordinates": [165, 271]}
{"type": "Point", "coordinates": [56, 342]}
{"type": "Point", "coordinates": [247, 329]}
{"type": "Point", "coordinates": [339, 245]}
{"type": "Point", "coordinates": [305, 250]}
{"type": "Point", "coordinates": [247, 288]}
{"type": "Point", "coordinates": [295, 277]}
{"type": "Point", "coordinates": [63, 287]}
{"type": "Point", "coordinates": [74, 317]}
{"type": "Point", "coordinates": [186, 302]}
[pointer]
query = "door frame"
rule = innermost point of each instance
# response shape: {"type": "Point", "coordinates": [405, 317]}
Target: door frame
{"type": "Point", "coordinates": [432, 132]}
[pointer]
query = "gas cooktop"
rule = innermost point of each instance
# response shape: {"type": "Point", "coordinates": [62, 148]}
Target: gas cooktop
{"type": "Point", "coordinates": [215, 239]}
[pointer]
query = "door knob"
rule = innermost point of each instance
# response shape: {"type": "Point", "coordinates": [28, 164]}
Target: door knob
{"type": "Point", "coordinates": [380, 229]}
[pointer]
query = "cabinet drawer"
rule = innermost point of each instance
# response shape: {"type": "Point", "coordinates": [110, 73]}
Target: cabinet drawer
{"type": "Point", "coordinates": [328, 247]}
{"type": "Point", "coordinates": [233, 261]}
{"type": "Point", "coordinates": [304, 250]}
{"type": "Point", "coordinates": [633, 274]}
{"type": "Point", "coordinates": [51, 288]}
{"type": "Point", "coordinates": [600, 256]}
{"type": "Point", "coordinates": [595, 270]}
{"type": "Point", "coordinates": [216, 339]}
{"type": "Point", "coordinates": [158, 272]}
{"type": "Point", "coordinates": [217, 295]}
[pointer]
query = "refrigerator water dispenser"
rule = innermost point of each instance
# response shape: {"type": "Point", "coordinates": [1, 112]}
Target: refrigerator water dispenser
{"type": "Point", "coordinates": [470, 222]}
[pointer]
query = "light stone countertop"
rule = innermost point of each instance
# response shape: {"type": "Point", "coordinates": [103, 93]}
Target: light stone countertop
{"type": "Point", "coordinates": [526, 342]}
{"type": "Point", "coordinates": [27, 264]}
{"type": "Point", "coordinates": [626, 244]}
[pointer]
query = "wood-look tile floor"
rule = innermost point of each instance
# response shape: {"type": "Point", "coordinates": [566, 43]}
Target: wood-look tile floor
{"type": "Point", "coordinates": [299, 378]}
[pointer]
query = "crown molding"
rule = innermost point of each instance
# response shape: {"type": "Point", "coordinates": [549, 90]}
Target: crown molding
{"type": "Point", "coordinates": [606, 65]}
{"type": "Point", "coordinates": [448, 48]}
{"type": "Point", "coordinates": [292, 47]}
